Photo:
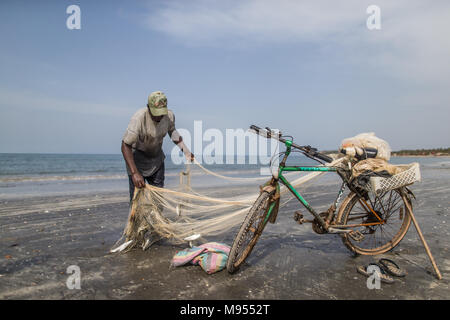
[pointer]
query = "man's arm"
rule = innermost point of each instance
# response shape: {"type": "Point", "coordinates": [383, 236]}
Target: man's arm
{"type": "Point", "coordinates": [177, 139]}
{"type": "Point", "coordinates": [127, 153]}
{"type": "Point", "coordinates": [189, 155]}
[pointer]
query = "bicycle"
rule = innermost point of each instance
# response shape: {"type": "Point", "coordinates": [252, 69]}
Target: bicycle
{"type": "Point", "coordinates": [368, 223]}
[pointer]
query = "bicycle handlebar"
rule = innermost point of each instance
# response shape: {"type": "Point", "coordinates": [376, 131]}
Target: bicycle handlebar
{"type": "Point", "coordinates": [323, 157]}
{"type": "Point", "coordinates": [307, 150]}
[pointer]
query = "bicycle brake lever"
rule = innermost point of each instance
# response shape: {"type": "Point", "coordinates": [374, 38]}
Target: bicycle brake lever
{"type": "Point", "coordinates": [271, 132]}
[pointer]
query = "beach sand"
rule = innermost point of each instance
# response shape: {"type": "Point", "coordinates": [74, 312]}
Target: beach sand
{"type": "Point", "coordinates": [41, 237]}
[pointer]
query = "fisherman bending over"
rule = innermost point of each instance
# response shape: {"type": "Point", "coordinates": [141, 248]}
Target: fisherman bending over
{"type": "Point", "coordinates": [143, 139]}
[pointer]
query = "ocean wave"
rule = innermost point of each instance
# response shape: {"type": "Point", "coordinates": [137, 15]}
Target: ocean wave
{"type": "Point", "coordinates": [11, 179]}
{"type": "Point", "coordinates": [437, 165]}
{"type": "Point", "coordinates": [61, 178]}
{"type": "Point", "coordinates": [55, 172]}
{"type": "Point", "coordinates": [7, 179]}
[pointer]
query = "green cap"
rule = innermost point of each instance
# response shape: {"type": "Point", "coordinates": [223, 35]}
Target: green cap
{"type": "Point", "coordinates": [157, 102]}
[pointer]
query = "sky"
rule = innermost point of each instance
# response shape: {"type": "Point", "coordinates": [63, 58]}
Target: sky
{"type": "Point", "coordinates": [309, 68]}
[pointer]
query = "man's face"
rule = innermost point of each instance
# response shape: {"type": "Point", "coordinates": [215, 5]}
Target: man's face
{"type": "Point", "coordinates": [157, 119]}
{"type": "Point", "coordinates": [154, 118]}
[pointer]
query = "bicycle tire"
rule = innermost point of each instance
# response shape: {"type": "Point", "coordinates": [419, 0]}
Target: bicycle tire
{"type": "Point", "coordinates": [389, 205]}
{"type": "Point", "coordinates": [240, 251]}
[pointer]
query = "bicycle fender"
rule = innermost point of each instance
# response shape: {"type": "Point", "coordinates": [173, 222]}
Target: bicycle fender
{"type": "Point", "coordinates": [274, 213]}
{"type": "Point", "coordinates": [410, 193]}
{"type": "Point", "coordinates": [275, 197]}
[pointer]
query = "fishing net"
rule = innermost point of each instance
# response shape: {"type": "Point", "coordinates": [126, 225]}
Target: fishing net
{"type": "Point", "coordinates": [403, 175]}
{"type": "Point", "coordinates": [358, 145]}
{"type": "Point", "coordinates": [157, 213]}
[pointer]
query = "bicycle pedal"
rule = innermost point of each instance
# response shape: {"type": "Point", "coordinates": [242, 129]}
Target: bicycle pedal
{"type": "Point", "coordinates": [298, 217]}
{"type": "Point", "coordinates": [356, 235]}
{"type": "Point", "coordinates": [336, 230]}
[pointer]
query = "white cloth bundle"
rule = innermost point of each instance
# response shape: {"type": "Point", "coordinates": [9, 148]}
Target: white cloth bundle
{"type": "Point", "coordinates": [356, 146]}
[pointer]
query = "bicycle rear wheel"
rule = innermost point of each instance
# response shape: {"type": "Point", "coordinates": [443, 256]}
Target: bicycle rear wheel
{"type": "Point", "coordinates": [375, 239]}
{"type": "Point", "coordinates": [249, 232]}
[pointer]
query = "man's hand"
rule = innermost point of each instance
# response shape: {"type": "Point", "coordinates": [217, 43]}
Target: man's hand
{"type": "Point", "coordinates": [189, 156]}
{"type": "Point", "coordinates": [138, 180]}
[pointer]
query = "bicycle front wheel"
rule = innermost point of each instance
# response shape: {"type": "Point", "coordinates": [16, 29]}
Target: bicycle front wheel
{"type": "Point", "coordinates": [249, 233]}
{"type": "Point", "coordinates": [373, 238]}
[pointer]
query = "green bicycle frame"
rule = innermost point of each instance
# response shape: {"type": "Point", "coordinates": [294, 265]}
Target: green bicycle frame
{"type": "Point", "coordinates": [284, 168]}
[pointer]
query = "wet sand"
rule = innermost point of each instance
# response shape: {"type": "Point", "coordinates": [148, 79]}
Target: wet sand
{"type": "Point", "coordinates": [41, 237]}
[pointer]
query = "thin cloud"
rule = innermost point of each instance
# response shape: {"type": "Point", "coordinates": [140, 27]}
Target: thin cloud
{"type": "Point", "coordinates": [210, 22]}
{"type": "Point", "coordinates": [413, 39]}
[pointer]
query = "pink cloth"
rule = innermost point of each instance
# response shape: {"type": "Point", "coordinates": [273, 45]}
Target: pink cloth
{"type": "Point", "coordinates": [211, 256]}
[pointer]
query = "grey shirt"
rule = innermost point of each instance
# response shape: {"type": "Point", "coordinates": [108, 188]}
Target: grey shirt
{"type": "Point", "coordinates": [145, 136]}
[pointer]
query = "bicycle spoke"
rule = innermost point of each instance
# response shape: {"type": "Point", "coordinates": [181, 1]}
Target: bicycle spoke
{"type": "Point", "coordinates": [394, 202]}
{"type": "Point", "coordinates": [378, 238]}
{"type": "Point", "coordinates": [385, 232]}
{"type": "Point", "coordinates": [382, 207]}
{"type": "Point", "coordinates": [396, 209]}
{"type": "Point", "coordinates": [249, 233]}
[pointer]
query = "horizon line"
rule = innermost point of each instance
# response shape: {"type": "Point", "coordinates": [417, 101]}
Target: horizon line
{"type": "Point", "coordinates": [90, 153]}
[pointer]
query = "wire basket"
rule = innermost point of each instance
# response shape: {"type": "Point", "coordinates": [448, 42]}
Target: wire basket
{"type": "Point", "coordinates": [409, 175]}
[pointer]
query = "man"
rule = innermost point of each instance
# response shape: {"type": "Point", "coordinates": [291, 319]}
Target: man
{"type": "Point", "coordinates": [143, 139]}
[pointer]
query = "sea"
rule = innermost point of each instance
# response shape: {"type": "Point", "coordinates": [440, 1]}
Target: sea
{"type": "Point", "coordinates": [25, 175]}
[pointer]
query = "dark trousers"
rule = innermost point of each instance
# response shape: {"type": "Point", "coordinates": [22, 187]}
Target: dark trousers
{"type": "Point", "coordinates": [157, 180]}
